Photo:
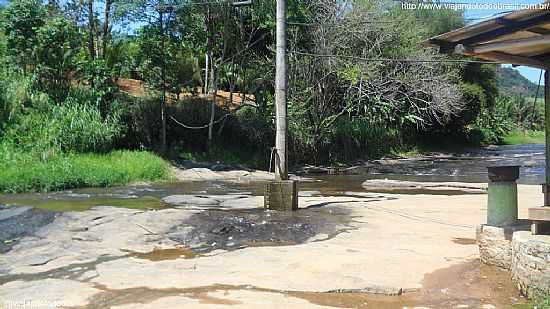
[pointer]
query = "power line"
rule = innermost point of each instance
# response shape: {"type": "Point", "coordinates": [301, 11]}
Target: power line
{"type": "Point", "coordinates": [455, 3]}
{"type": "Point", "coordinates": [291, 23]}
{"type": "Point", "coordinates": [393, 59]}
{"type": "Point", "coordinates": [230, 2]}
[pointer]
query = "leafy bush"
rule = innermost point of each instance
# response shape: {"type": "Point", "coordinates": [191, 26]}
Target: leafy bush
{"type": "Point", "coordinates": [361, 138]}
{"type": "Point", "coordinates": [71, 127]}
{"type": "Point", "coordinates": [17, 94]}
{"type": "Point", "coordinates": [56, 48]}
{"type": "Point", "coordinates": [102, 89]}
{"type": "Point", "coordinates": [20, 22]}
{"type": "Point", "coordinates": [492, 125]}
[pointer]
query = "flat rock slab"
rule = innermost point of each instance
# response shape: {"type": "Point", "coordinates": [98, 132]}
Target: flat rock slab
{"type": "Point", "coordinates": [47, 293]}
{"type": "Point", "coordinates": [399, 186]}
{"type": "Point", "coordinates": [214, 201]}
{"type": "Point", "coordinates": [234, 299]}
{"type": "Point", "coordinates": [394, 241]}
{"type": "Point", "coordinates": [235, 176]}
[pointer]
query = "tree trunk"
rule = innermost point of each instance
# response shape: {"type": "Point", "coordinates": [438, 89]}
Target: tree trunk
{"type": "Point", "coordinates": [281, 164]}
{"type": "Point", "coordinates": [91, 29]}
{"type": "Point", "coordinates": [106, 31]}
{"type": "Point", "coordinates": [163, 79]}
{"type": "Point", "coordinates": [52, 7]}
{"type": "Point", "coordinates": [206, 72]}
{"type": "Point", "coordinates": [214, 82]}
{"type": "Point", "coordinates": [232, 83]}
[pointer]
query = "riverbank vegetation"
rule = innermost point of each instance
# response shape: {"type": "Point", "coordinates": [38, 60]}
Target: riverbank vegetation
{"type": "Point", "coordinates": [516, 137]}
{"type": "Point", "coordinates": [21, 173]}
{"type": "Point", "coordinates": [85, 88]}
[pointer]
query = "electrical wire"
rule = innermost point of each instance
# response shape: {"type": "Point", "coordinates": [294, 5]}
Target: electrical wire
{"type": "Point", "coordinates": [393, 59]}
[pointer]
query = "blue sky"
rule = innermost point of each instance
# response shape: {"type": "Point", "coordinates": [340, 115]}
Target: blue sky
{"type": "Point", "coordinates": [473, 15]}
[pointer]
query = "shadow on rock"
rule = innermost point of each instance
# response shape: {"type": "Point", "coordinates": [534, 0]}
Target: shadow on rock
{"type": "Point", "coordinates": [230, 230]}
{"type": "Point", "coordinates": [18, 222]}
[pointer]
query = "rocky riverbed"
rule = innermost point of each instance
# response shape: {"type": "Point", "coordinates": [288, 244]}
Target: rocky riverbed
{"type": "Point", "coordinates": [359, 240]}
{"type": "Point", "coordinates": [347, 249]}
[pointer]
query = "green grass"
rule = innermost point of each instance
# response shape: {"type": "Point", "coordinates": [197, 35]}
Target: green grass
{"type": "Point", "coordinates": [524, 137]}
{"type": "Point", "coordinates": [23, 173]}
{"type": "Point", "coordinates": [80, 204]}
{"type": "Point", "coordinates": [539, 302]}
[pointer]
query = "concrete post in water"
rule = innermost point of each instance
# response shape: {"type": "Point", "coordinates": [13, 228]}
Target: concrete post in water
{"type": "Point", "coordinates": [546, 186]}
{"type": "Point", "coordinates": [502, 204]}
{"type": "Point", "coordinates": [281, 194]}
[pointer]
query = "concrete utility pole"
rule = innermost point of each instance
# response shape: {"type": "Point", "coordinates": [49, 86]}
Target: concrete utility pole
{"type": "Point", "coordinates": [281, 194]}
{"type": "Point", "coordinates": [546, 187]}
{"type": "Point", "coordinates": [281, 164]}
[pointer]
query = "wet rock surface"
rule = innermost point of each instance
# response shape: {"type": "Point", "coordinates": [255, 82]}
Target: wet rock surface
{"type": "Point", "coordinates": [228, 230]}
{"type": "Point", "coordinates": [19, 222]}
{"type": "Point", "coordinates": [209, 201]}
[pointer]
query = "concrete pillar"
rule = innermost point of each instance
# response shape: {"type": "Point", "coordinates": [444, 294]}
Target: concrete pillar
{"type": "Point", "coordinates": [546, 186]}
{"type": "Point", "coordinates": [502, 204]}
{"type": "Point", "coordinates": [281, 195]}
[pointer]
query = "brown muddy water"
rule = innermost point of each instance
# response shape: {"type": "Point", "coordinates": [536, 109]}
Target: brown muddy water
{"type": "Point", "coordinates": [158, 254]}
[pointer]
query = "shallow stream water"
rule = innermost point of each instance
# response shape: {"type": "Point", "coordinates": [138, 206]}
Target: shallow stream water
{"type": "Point", "coordinates": [468, 166]}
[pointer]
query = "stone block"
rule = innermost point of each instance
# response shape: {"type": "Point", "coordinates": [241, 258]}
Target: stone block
{"type": "Point", "coordinates": [531, 263]}
{"type": "Point", "coordinates": [495, 243]}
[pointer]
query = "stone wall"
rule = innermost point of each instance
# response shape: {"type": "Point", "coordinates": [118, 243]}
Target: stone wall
{"type": "Point", "coordinates": [495, 244]}
{"type": "Point", "coordinates": [531, 263]}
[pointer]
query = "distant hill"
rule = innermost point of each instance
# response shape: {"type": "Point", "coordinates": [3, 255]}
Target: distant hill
{"type": "Point", "coordinates": [511, 82]}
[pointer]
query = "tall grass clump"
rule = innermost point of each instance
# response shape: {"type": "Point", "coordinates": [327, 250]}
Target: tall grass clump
{"type": "Point", "coordinates": [23, 173]}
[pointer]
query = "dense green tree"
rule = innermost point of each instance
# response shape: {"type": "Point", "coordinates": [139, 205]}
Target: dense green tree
{"type": "Point", "coordinates": [57, 44]}
{"type": "Point", "coordinates": [20, 22]}
{"type": "Point", "coordinates": [352, 90]}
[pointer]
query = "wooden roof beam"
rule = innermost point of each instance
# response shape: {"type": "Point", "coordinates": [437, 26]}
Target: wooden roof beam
{"type": "Point", "coordinates": [539, 30]}
{"type": "Point", "coordinates": [509, 26]}
{"type": "Point", "coordinates": [510, 44]}
{"type": "Point", "coordinates": [513, 59]}
{"type": "Point", "coordinates": [507, 58]}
